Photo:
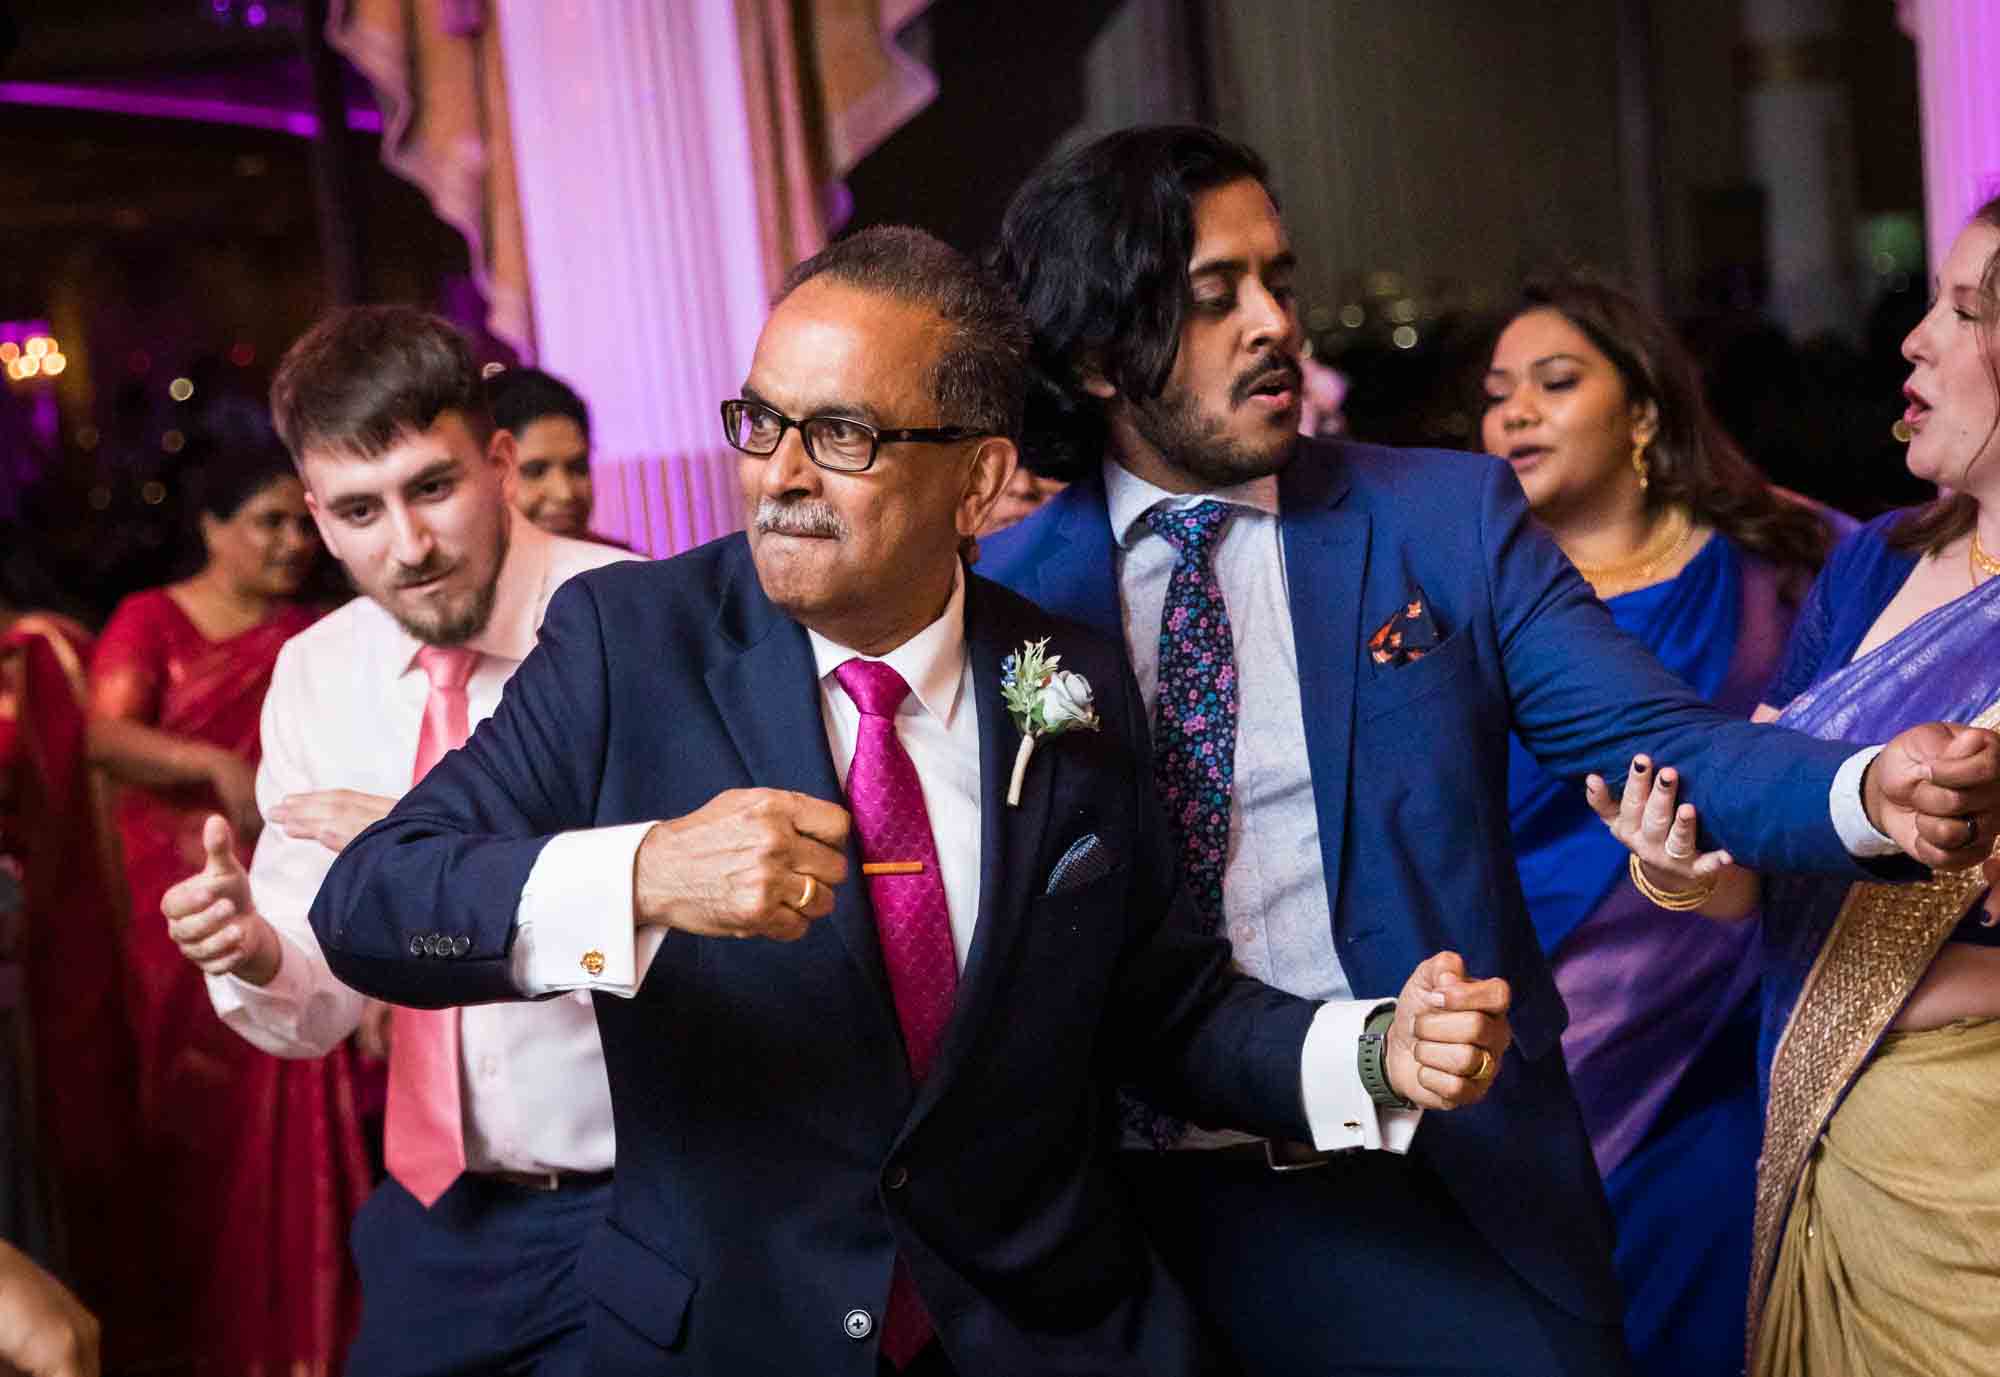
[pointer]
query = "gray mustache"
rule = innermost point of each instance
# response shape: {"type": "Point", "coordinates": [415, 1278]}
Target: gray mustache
{"type": "Point", "coordinates": [800, 517]}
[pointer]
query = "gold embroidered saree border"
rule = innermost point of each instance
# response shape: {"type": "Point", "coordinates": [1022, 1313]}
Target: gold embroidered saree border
{"type": "Point", "coordinates": [1882, 942]}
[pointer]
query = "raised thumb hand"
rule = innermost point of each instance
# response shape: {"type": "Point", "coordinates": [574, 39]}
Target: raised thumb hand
{"type": "Point", "coordinates": [220, 845]}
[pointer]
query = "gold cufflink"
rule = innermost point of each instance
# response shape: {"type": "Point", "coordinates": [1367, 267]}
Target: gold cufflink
{"type": "Point", "coordinates": [593, 963]}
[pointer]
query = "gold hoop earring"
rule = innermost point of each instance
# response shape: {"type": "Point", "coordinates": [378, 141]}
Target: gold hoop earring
{"type": "Point", "coordinates": [1639, 461]}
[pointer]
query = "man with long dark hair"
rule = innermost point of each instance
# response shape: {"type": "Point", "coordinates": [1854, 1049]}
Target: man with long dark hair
{"type": "Point", "coordinates": [1334, 641]}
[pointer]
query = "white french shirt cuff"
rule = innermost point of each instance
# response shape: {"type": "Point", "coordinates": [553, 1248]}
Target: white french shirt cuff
{"type": "Point", "coordinates": [573, 927]}
{"type": "Point", "coordinates": [1339, 1110]}
{"type": "Point", "coordinates": [1850, 815]}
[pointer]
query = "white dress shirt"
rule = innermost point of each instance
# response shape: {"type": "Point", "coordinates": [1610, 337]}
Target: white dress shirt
{"type": "Point", "coordinates": [344, 710]}
{"type": "Point", "coordinates": [578, 897]}
{"type": "Point", "coordinates": [1274, 904]}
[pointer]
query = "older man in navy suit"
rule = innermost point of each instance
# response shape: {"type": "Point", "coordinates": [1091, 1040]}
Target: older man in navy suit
{"type": "Point", "coordinates": [863, 1117]}
{"type": "Point", "coordinates": [1335, 640]}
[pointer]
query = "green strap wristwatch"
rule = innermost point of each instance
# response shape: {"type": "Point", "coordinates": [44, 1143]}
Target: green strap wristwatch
{"type": "Point", "coordinates": [1373, 1056]}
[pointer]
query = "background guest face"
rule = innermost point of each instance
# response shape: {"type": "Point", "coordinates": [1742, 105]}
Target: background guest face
{"type": "Point", "coordinates": [1558, 410]}
{"type": "Point", "coordinates": [266, 546]}
{"type": "Point", "coordinates": [864, 558]}
{"type": "Point", "coordinates": [1230, 409]}
{"type": "Point", "coordinates": [552, 475]}
{"type": "Point", "coordinates": [421, 528]}
{"type": "Point", "coordinates": [1953, 393]}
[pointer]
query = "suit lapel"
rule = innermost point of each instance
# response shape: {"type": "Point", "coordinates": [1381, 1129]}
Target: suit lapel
{"type": "Point", "coordinates": [768, 696]}
{"type": "Point", "coordinates": [1082, 578]}
{"type": "Point", "coordinates": [1326, 559]}
{"type": "Point", "coordinates": [1009, 840]}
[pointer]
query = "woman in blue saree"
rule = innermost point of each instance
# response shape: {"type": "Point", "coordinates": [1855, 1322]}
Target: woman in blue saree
{"type": "Point", "coordinates": [1877, 1232]}
{"type": "Point", "coordinates": [1599, 410]}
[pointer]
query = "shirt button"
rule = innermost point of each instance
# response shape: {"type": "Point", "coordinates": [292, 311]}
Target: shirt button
{"type": "Point", "coordinates": [858, 1324]}
{"type": "Point", "coordinates": [898, 1177]}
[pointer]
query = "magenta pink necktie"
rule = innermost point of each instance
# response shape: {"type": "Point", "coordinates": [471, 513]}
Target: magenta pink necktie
{"type": "Point", "coordinates": [912, 923]}
{"type": "Point", "coordinates": [424, 1137]}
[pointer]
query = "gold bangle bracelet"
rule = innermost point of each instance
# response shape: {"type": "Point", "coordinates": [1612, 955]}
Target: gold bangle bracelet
{"type": "Point", "coordinates": [1675, 901]}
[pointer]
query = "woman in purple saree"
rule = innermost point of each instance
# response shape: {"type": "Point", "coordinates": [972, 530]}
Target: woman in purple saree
{"type": "Point", "coordinates": [1877, 1230]}
{"type": "Point", "coordinates": [1600, 411]}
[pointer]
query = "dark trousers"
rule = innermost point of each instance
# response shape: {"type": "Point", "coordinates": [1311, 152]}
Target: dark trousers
{"type": "Point", "coordinates": [1362, 1266]}
{"type": "Point", "coordinates": [482, 1282]}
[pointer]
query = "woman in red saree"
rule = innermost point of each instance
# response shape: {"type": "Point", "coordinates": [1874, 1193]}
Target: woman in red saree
{"type": "Point", "coordinates": [257, 1164]}
{"type": "Point", "coordinates": [69, 1050]}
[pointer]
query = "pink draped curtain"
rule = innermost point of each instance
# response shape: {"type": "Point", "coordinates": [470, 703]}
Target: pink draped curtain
{"type": "Point", "coordinates": [1958, 56]}
{"type": "Point", "coordinates": [632, 180]}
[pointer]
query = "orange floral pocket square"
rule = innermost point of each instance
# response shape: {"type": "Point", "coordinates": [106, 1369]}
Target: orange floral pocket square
{"type": "Point", "coordinates": [1410, 634]}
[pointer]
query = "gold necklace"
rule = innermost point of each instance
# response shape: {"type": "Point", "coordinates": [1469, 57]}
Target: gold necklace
{"type": "Point", "coordinates": [1982, 563]}
{"type": "Point", "coordinates": [1668, 539]}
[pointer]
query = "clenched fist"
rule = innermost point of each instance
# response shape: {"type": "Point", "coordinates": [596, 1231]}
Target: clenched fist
{"type": "Point", "coordinates": [1449, 1035]}
{"type": "Point", "coordinates": [748, 863]}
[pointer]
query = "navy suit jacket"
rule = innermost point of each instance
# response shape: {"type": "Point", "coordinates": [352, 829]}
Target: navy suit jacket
{"type": "Point", "coordinates": [773, 1153]}
{"type": "Point", "coordinates": [1409, 770]}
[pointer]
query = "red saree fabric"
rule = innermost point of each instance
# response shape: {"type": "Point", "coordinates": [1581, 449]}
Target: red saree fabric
{"type": "Point", "coordinates": [257, 1163]}
{"type": "Point", "coordinates": [80, 1056]}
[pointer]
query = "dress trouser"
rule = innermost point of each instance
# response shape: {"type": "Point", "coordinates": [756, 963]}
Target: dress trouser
{"type": "Point", "coordinates": [1362, 1266]}
{"type": "Point", "coordinates": [482, 1282]}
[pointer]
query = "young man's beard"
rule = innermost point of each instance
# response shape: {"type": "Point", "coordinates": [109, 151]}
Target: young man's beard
{"type": "Point", "coordinates": [1199, 446]}
{"type": "Point", "coordinates": [455, 627]}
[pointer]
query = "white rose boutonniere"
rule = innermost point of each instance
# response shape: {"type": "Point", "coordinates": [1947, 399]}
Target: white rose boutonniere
{"type": "Point", "coordinates": [1044, 701]}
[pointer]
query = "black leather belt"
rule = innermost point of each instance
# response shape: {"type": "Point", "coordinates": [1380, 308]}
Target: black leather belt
{"type": "Point", "coordinates": [546, 1180]}
{"type": "Point", "coordinates": [1272, 1154]}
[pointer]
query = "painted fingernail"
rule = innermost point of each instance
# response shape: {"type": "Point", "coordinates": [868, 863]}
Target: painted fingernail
{"type": "Point", "coordinates": [1666, 776]}
{"type": "Point", "coordinates": [1638, 767]}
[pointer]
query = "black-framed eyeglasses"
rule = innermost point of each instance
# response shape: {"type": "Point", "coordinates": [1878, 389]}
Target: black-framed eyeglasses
{"type": "Point", "coordinates": [839, 443]}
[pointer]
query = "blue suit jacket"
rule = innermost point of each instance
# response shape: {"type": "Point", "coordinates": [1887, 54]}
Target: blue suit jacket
{"type": "Point", "coordinates": [1409, 769]}
{"type": "Point", "coordinates": [773, 1153]}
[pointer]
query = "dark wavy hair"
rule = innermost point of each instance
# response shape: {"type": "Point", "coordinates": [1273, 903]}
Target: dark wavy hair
{"type": "Point", "coordinates": [1928, 529]}
{"type": "Point", "coordinates": [979, 378]}
{"type": "Point", "coordinates": [1096, 246]}
{"type": "Point", "coordinates": [1692, 461]}
{"type": "Point", "coordinates": [521, 396]}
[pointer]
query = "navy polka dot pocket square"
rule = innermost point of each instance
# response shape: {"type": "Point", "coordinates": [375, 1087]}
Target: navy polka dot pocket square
{"type": "Point", "coordinates": [1087, 859]}
{"type": "Point", "coordinates": [1410, 633]}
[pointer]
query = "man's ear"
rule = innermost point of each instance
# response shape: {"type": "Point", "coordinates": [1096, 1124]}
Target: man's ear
{"type": "Point", "coordinates": [504, 454]}
{"type": "Point", "coordinates": [993, 463]}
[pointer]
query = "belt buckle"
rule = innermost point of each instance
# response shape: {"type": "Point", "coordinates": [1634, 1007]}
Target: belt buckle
{"type": "Point", "coordinates": [1308, 1163]}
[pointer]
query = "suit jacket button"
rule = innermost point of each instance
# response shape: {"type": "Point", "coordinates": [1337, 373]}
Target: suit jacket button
{"type": "Point", "coordinates": [433, 944]}
{"type": "Point", "coordinates": [460, 945]}
{"type": "Point", "coordinates": [417, 945]}
{"type": "Point", "coordinates": [898, 1177]}
{"type": "Point", "coordinates": [859, 1324]}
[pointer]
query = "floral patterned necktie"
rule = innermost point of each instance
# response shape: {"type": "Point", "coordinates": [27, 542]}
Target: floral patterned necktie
{"type": "Point", "coordinates": [1194, 733]}
{"type": "Point", "coordinates": [1194, 712]}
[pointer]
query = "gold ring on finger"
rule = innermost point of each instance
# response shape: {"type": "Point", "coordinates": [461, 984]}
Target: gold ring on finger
{"type": "Point", "coordinates": [807, 895]}
{"type": "Point", "coordinates": [1485, 1071]}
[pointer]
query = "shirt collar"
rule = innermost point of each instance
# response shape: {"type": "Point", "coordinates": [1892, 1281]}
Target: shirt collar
{"type": "Point", "coordinates": [932, 662]}
{"type": "Point", "coordinates": [510, 629]}
{"type": "Point", "coordinates": [1128, 497]}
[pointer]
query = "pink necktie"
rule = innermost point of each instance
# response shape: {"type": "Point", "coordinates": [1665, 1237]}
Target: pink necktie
{"type": "Point", "coordinates": [912, 923]}
{"type": "Point", "coordinates": [424, 1138]}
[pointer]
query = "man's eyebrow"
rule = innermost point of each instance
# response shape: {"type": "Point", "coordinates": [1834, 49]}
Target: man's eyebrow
{"type": "Point", "coordinates": [1236, 267]}
{"type": "Point", "coordinates": [859, 411]}
{"type": "Point", "coordinates": [438, 468]}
